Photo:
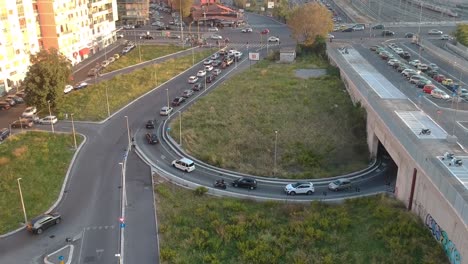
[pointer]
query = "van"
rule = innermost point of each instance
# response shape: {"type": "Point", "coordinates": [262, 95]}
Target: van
{"type": "Point", "coordinates": [184, 164]}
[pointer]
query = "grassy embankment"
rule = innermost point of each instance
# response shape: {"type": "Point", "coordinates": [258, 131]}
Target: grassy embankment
{"type": "Point", "coordinates": [204, 229]}
{"type": "Point", "coordinates": [90, 103]}
{"type": "Point", "coordinates": [320, 132]}
{"type": "Point", "coordinates": [41, 160]}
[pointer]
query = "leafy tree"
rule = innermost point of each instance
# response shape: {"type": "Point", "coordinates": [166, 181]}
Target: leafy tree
{"type": "Point", "coordinates": [462, 34]}
{"type": "Point", "coordinates": [46, 78]}
{"type": "Point", "coordinates": [186, 6]}
{"type": "Point", "coordinates": [282, 10]}
{"type": "Point", "coordinates": [310, 21]}
{"type": "Point", "coordinates": [240, 3]}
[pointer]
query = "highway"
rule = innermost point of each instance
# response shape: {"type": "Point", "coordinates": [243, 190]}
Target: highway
{"type": "Point", "coordinates": [91, 205]}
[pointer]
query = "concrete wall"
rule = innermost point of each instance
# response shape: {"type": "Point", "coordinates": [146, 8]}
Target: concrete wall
{"type": "Point", "coordinates": [428, 202]}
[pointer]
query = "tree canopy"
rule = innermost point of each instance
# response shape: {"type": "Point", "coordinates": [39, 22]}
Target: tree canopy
{"type": "Point", "coordinates": [309, 21]}
{"type": "Point", "coordinates": [186, 6]}
{"type": "Point", "coordinates": [46, 78]}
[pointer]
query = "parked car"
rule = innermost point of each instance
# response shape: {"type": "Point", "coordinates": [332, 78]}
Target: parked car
{"type": "Point", "coordinates": [216, 36]}
{"type": "Point", "coordinates": [93, 72]}
{"type": "Point", "coordinates": [150, 124]}
{"type": "Point", "coordinates": [81, 85]}
{"type": "Point", "coordinates": [48, 120]}
{"type": "Point", "coordinates": [245, 182]}
{"type": "Point", "coordinates": [409, 35]}
{"type": "Point", "coordinates": [38, 224]}
{"type": "Point", "coordinates": [246, 30]}
{"type": "Point", "coordinates": [184, 164]}
{"type": "Point", "coordinates": [151, 138]}
{"type": "Point", "coordinates": [178, 101]}
{"type": "Point", "coordinates": [445, 37]}
{"type": "Point", "coordinates": [165, 111]}
{"type": "Point", "coordinates": [214, 57]}
{"type": "Point", "coordinates": [407, 72]}
{"type": "Point", "coordinates": [10, 101]}
{"type": "Point", "coordinates": [340, 184]}
{"type": "Point", "coordinates": [432, 73]}
{"type": "Point", "coordinates": [187, 93]}
{"type": "Point", "coordinates": [4, 134]}
{"type": "Point", "coordinates": [416, 78]}
{"type": "Point", "coordinates": [439, 78]}
{"type": "Point", "coordinates": [423, 67]}
{"type": "Point", "coordinates": [388, 33]}
{"type": "Point", "coordinates": [17, 99]}
{"type": "Point", "coordinates": [422, 83]}
{"type": "Point", "coordinates": [437, 93]}
{"type": "Point", "coordinates": [207, 62]}
{"type": "Point", "coordinates": [213, 29]}
{"type": "Point", "coordinates": [29, 111]}
{"type": "Point", "coordinates": [192, 79]}
{"type": "Point", "coordinates": [265, 31]}
{"type": "Point", "coordinates": [210, 78]}
{"type": "Point", "coordinates": [216, 72]}
{"type": "Point", "coordinates": [428, 88]}
{"type": "Point", "coordinates": [299, 188]}
{"type": "Point", "coordinates": [68, 88]}
{"type": "Point", "coordinates": [22, 123]}
{"type": "Point", "coordinates": [415, 63]}
{"type": "Point", "coordinates": [4, 105]}
{"type": "Point", "coordinates": [380, 26]}
{"type": "Point", "coordinates": [348, 30]}
{"type": "Point", "coordinates": [447, 82]}
{"type": "Point", "coordinates": [201, 73]}
{"type": "Point", "coordinates": [406, 55]}
{"type": "Point", "coordinates": [273, 39]}
{"type": "Point", "coordinates": [435, 32]}
{"type": "Point", "coordinates": [197, 86]}
{"type": "Point", "coordinates": [433, 66]}
{"type": "Point", "coordinates": [358, 27]}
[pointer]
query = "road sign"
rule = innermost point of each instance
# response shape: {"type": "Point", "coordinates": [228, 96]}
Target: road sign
{"type": "Point", "coordinates": [122, 225]}
{"type": "Point", "coordinates": [61, 258]}
{"type": "Point", "coordinates": [168, 129]}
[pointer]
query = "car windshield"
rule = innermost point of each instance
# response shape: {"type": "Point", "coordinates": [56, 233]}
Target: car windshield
{"type": "Point", "coordinates": [295, 185]}
{"type": "Point", "coordinates": [337, 182]}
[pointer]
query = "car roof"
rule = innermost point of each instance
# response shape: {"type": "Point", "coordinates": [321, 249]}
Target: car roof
{"type": "Point", "coordinates": [185, 160]}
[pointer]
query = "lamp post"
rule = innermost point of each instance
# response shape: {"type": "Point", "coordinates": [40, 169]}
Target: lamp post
{"type": "Point", "coordinates": [124, 189]}
{"type": "Point", "coordinates": [180, 128]}
{"type": "Point", "coordinates": [128, 131]}
{"type": "Point", "coordinates": [73, 130]}
{"type": "Point", "coordinates": [205, 82]}
{"type": "Point", "coordinates": [419, 31]}
{"type": "Point", "coordinates": [50, 114]}
{"type": "Point", "coordinates": [276, 144]}
{"type": "Point", "coordinates": [107, 101]}
{"type": "Point", "coordinates": [22, 201]}
{"type": "Point", "coordinates": [167, 95]}
{"type": "Point", "coordinates": [181, 24]}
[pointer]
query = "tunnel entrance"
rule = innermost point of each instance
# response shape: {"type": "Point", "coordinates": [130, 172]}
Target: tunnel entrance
{"type": "Point", "coordinates": [388, 165]}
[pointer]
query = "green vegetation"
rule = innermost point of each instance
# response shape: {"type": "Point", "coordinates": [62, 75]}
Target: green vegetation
{"type": "Point", "coordinates": [90, 103]}
{"type": "Point", "coordinates": [203, 229]}
{"type": "Point", "coordinates": [320, 132]}
{"type": "Point", "coordinates": [148, 52]}
{"type": "Point", "coordinates": [462, 34]}
{"type": "Point", "coordinates": [20, 157]}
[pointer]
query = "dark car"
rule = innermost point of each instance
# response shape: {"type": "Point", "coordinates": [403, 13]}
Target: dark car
{"type": "Point", "coordinates": [348, 30]}
{"type": "Point", "coordinates": [150, 124]}
{"type": "Point", "coordinates": [432, 73]}
{"type": "Point", "coordinates": [387, 33]}
{"type": "Point", "coordinates": [177, 101]}
{"type": "Point", "coordinates": [22, 123]}
{"type": "Point", "coordinates": [216, 63]}
{"type": "Point", "coordinates": [152, 138]}
{"type": "Point", "coordinates": [4, 133]}
{"type": "Point", "coordinates": [378, 27]}
{"type": "Point", "coordinates": [4, 105]}
{"type": "Point", "coordinates": [405, 55]}
{"type": "Point", "coordinates": [17, 99]}
{"type": "Point", "coordinates": [10, 101]}
{"type": "Point", "coordinates": [420, 84]}
{"type": "Point", "coordinates": [146, 37]}
{"type": "Point", "coordinates": [39, 224]}
{"type": "Point", "coordinates": [197, 86]}
{"type": "Point", "coordinates": [340, 184]}
{"type": "Point", "coordinates": [210, 78]}
{"type": "Point", "coordinates": [245, 183]}
{"type": "Point", "coordinates": [402, 67]}
{"type": "Point", "coordinates": [409, 35]}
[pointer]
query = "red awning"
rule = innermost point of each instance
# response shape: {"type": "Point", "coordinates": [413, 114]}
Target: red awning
{"type": "Point", "coordinates": [84, 51]}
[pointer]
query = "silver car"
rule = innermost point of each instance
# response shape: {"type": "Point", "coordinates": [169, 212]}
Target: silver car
{"type": "Point", "coordinates": [299, 188]}
{"type": "Point", "coordinates": [340, 184]}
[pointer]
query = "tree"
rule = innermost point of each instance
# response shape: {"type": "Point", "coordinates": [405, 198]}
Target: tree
{"type": "Point", "coordinates": [186, 6]}
{"type": "Point", "coordinates": [282, 10]}
{"type": "Point", "coordinates": [309, 21]}
{"type": "Point", "coordinates": [240, 3]}
{"type": "Point", "coordinates": [46, 78]}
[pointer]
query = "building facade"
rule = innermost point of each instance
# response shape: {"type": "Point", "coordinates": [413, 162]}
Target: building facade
{"type": "Point", "coordinates": [18, 39]}
{"type": "Point", "coordinates": [133, 12]}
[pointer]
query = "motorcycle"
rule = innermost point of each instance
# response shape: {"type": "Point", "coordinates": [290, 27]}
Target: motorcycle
{"type": "Point", "coordinates": [220, 184]}
{"type": "Point", "coordinates": [425, 131]}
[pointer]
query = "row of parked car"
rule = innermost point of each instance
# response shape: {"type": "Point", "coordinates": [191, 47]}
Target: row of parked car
{"type": "Point", "coordinates": [96, 71]}
{"type": "Point", "coordinates": [418, 73]}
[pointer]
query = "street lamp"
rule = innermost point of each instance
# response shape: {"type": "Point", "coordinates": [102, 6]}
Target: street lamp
{"type": "Point", "coordinates": [124, 189]}
{"type": "Point", "coordinates": [22, 201]}
{"type": "Point", "coordinates": [276, 144]}
{"type": "Point", "coordinates": [107, 101]}
{"type": "Point", "coordinates": [128, 131]}
{"type": "Point", "coordinates": [180, 128]}
{"type": "Point", "coordinates": [167, 95]}
{"type": "Point", "coordinates": [50, 114]}
{"type": "Point", "coordinates": [73, 130]}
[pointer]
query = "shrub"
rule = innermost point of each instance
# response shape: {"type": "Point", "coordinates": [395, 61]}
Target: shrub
{"type": "Point", "coordinates": [199, 191]}
{"type": "Point", "coordinates": [168, 254]}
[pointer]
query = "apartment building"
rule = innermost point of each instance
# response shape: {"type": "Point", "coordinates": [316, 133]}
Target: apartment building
{"type": "Point", "coordinates": [133, 12]}
{"type": "Point", "coordinates": [76, 28]}
{"type": "Point", "coordinates": [18, 39]}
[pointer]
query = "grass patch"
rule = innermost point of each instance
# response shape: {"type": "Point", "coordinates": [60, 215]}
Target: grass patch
{"type": "Point", "coordinates": [148, 52]}
{"type": "Point", "coordinates": [90, 103]}
{"type": "Point", "coordinates": [320, 132]}
{"type": "Point", "coordinates": [203, 229]}
{"type": "Point", "coordinates": [41, 160]}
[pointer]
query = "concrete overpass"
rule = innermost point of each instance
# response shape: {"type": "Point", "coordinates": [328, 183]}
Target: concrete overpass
{"type": "Point", "coordinates": [428, 186]}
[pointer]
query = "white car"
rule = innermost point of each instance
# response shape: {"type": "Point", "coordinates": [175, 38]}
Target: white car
{"type": "Point", "coordinates": [48, 120]}
{"type": "Point", "coordinates": [246, 30]}
{"type": "Point", "coordinates": [231, 52]}
{"type": "Point", "coordinates": [68, 88]}
{"type": "Point", "coordinates": [184, 164]}
{"type": "Point", "coordinates": [214, 56]}
{"type": "Point", "coordinates": [415, 63]}
{"type": "Point", "coordinates": [435, 32]}
{"type": "Point", "coordinates": [105, 63]}
{"type": "Point", "coordinates": [208, 68]}
{"type": "Point", "coordinates": [299, 188]}
{"type": "Point", "coordinates": [165, 111]}
{"type": "Point", "coordinates": [215, 36]}
{"type": "Point", "coordinates": [437, 93]}
{"type": "Point", "coordinates": [29, 112]}
{"type": "Point", "coordinates": [192, 79]}
{"type": "Point", "coordinates": [392, 62]}
{"type": "Point", "coordinates": [422, 67]}
{"type": "Point", "coordinates": [330, 36]}
{"type": "Point", "coordinates": [273, 39]}
{"type": "Point", "coordinates": [445, 37]}
{"type": "Point", "coordinates": [201, 73]}
{"type": "Point", "coordinates": [213, 29]}
{"type": "Point", "coordinates": [216, 72]}
{"type": "Point", "coordinates": [207, 62]}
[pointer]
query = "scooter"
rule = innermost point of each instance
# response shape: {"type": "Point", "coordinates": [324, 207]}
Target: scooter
{"type": "Point", "coordinates": [220, 184]}
{"type": "Point", "coordinates": [425, 131]}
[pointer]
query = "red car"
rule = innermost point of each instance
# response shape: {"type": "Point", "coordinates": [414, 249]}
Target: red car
{"type": "Point", "coordinates": [439, 78]}
{"type": "Point", "coordinates": [265, 31]}
{"type": "Point", "coordinates": [428, 88]}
